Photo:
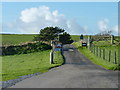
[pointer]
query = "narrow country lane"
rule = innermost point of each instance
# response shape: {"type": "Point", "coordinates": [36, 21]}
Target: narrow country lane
{"type": "Point", "coordinates": [77, 72]}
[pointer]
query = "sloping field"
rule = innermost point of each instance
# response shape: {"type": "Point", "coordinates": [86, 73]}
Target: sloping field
{"type": "Point", "coordinates": [75, 37]}
{"type": "Point", "coordinates": [14, 39]}
{"type": "Point", "coordinates": [24, 64]}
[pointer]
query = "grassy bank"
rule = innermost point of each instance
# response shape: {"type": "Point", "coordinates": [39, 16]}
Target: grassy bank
{"type": "Point", "coordinates": [95, 59]}
{"type": "Point", "coordinates": [24, 64]}
{"type": "Point", "coordinates": [58, 58]}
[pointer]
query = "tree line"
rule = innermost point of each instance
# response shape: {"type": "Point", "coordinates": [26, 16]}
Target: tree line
{"type": "Point", "coordinates": [49, 34]}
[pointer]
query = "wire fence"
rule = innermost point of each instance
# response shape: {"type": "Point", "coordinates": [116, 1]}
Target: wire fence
{"type": "Point", "coordinates": [109, 54]}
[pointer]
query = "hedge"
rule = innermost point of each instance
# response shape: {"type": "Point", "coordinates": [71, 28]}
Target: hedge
{"type": "Point", "coordinates": [24, 49]}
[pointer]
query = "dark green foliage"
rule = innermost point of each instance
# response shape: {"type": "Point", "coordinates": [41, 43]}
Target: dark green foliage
{"type": "Point", "coordinates": [24, 49]}
{"type": "Point", "coordinates": [65, 38]}
{"type": "Point", "coordinates": [81, 37]}
{"type": "Point", "coordinates": [48, 34]}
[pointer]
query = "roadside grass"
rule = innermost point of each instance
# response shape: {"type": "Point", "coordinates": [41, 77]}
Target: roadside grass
{"type": "Point", "coordinates": [15, 39]}
{"type": "Point", "coordinates": [58, 58]}
{"type": "Point", "coordinates": [24, 64]}
{"type": "Point", "coordinates": [95, 59]}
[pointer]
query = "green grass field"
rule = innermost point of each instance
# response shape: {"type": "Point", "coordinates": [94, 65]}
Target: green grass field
{"type": "Point", "coordinates": [15, 39]}
{"type": "Point", "coordinates": [12, 39]}
{"type": "Point", "coordinates": [75, 37]}
{"type": "Point", "coordinates": [24, 64]}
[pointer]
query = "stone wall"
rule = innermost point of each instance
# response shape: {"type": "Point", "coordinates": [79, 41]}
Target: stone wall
{"type": "Point", "coordinates": [24, 48]}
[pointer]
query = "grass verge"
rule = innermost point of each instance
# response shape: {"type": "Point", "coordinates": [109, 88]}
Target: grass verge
{"type": "Point", "coordinates": [58, 58]}
{"type": "Point", "coordinates": [95, 59]}
{"type": "Point", "coordinates": [24, 64]}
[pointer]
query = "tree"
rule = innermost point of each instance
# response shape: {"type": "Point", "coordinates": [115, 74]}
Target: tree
{"type": "Point", "coordinates": [65, 38]}
{"type": "Point", "coordinates": [48, 34]}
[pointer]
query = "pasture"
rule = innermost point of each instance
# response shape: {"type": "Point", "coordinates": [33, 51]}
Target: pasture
{"type": "Point", "coordinates": [24, 64]}
{"type": "Point", "coordinates": [15, 39]}
{"type": "Point", "coordinates": [75, 37]}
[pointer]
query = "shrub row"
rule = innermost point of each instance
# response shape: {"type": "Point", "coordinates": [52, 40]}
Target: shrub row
{"type": "Point", "coordinates": [24, 49]}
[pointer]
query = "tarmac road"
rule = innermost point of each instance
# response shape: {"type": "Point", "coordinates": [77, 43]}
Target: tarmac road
{"type": "Point", "coordinates": [77, 72]}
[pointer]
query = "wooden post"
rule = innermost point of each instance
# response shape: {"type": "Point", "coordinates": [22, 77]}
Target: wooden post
{"type": "Point", "coordinates": [109, 53]}
{"type": "Point", "coordinates": [103, 54]}
{"type": "Point", "coordinates": [91, 48]}
{"type": "Point", "coordinates": [115, 62]}
{"type": "Point", "coordinates": [96, 51]}
{"type": "Point", "coordinates": [100, 52]}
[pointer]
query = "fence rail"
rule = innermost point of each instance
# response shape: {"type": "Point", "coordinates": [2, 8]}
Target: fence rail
{"type": "Point", "coordinates": [110, 55]}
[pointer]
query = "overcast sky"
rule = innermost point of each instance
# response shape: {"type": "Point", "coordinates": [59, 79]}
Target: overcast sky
{"type": "Point", "coordinates": [75, 17]}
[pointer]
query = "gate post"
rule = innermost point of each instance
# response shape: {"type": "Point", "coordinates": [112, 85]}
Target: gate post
{"type": "Point", "coordinates": [51, 57]}
{"type": "Point", "coordinates": [112, 39]}
{"type": "Point", "coordinates": [88, 44]}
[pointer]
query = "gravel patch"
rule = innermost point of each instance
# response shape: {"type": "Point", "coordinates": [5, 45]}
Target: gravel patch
{"type": "Point", "coordinates": [9, 83]}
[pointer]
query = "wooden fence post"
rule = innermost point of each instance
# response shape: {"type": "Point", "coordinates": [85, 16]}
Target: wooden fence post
{"type": "Point", "coordinates": [103, 54]}
{"type": "Point", "coordinates": [91, 48]}
{"type": "Point", "coordinates": [115, 62]}
{"type": "Point", "coordinates": [109, 53]}
{"type": "Point", "coordinates": [100, 52]}
{"type": "Point", "coordinates": [96, 51]}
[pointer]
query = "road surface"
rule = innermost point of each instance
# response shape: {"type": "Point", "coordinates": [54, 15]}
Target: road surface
{"type": "Point", "coordinates": [77, 72]}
